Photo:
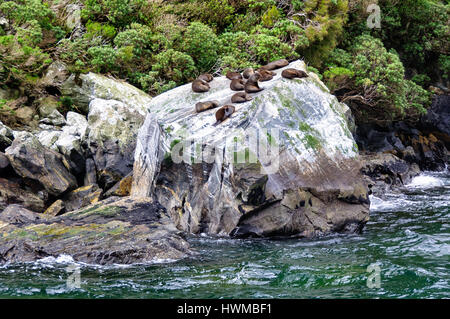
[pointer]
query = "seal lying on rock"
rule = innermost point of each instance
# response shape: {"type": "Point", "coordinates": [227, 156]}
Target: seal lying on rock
{"type": "Point", "coordinates": [248, 72]}
{"type": "Point", "coordinates": [240, 97]}
{"type": "Point", "coordinates": [224, 112]}
{"type": "Point", "coordinates": [275, 64]}
{"type": "Point", "coordinates": [203, 106]}
{"type": "Point", "coordinates": [293, 73]}
{"type": "Point", "coordinates": [237, 85]}
{"type": "Point", "coordinates": [233, 75]}
{"type": "Point", "coordinates": [206, 77]}
{"type": "Point", "coordinates": [251, 86]}
{"type": "Point", "coordinates": [266, 75]}
{"type": "Point", "coordinates": [200, 86]}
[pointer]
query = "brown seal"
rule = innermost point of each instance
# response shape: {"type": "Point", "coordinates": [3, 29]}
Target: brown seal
{"type": "Point", "coordinates": [224, 112]}
{"type": "Point", "coordinates": [206, 77]}
{"type": "Point", "coordinates": [266, 75]}
{"type": "Point", "coordinates": [276, 64]}
{"type": "Point", "coordinates": [251, 86]}
{"type": "Point", "coordinates": [234, 75]}
{"type": "Point", "coordinates": [203, 106]}
{"type": "Point", "coordinates": [200, 86]}
{"type": "Point", "coordinates": [240, 97]}
{"type": "Point", "coordinates": [248, 72]}
{"type": "Point", "coordinates": [293, 73]}
{"type": "Point", "coordinates": [237, 85]}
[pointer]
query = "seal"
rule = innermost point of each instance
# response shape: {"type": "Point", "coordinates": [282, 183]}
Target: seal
{"type": "Point", "coordinates": [293, 73]}
{"type": "Point", "coordinates": [251, 86]}
{"type": "Point", "coordinates": [276, 64]}
{"type": "Point", "coordinates": [203, 106]}
{"type": "Point", "coordinates": [248, 72]}
{"type": "Point", "coordinates": [237, 85]}
{"type": "Point", "coordinates": [266, 75]}
{"type": "Point", "coordinates": [224, 112]}
{"type": "Point", "coordinates": [206, 77]}
{"type": "Point", "coordinates": [234, 75]}
{"type": "Point", "coordinates": [241, 97]}
{"type": "Point", "coordinates": [200, 86]}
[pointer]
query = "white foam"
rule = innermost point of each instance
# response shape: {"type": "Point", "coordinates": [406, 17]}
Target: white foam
{"type": "Point", "coordinates": [425, 181]}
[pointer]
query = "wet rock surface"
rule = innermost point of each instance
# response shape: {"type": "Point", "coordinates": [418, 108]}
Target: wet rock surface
{"type": "Point", "coordinates": [111, 232]}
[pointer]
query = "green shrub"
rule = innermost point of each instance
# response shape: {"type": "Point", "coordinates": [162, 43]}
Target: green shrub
{"type": "Point", "coordinates": [200, 42]}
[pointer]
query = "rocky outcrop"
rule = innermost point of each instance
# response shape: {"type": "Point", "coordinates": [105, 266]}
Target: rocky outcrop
{"type": "Point", "coordinates": [12, 193]}
{"type": "Point", "coordinates": [113, 231]}
{"type": "Point", "coordinates": [385, 171]}
{"type": "Point", "coordinates": [111, 139]}
{"type": "Point", "coordinates": [284, 164]}
{"type": "Point", "coordinates": [437, 119]}
{"type": "Point", "coordinates": [406, 142]}
{"type": "Point", "coordinates": [31, 160]}
{"type": "Point", "coordinates": [92, 86]}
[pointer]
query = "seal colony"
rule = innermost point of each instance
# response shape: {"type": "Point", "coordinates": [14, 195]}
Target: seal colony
{"type": "Point", "coordinates": [246, 83]}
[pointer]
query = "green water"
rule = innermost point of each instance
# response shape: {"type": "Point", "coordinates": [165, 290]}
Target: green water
{"type": "Point", "coordinates": [407, 237]}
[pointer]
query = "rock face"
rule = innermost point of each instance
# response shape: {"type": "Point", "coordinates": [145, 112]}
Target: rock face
{"type": "Point", "coordinates": [94, 86]}
{"type": "Point", "coordinates": [6, 137]}
{"type": "Point", "coordinates": [437, 120]}
{"type": "Point", "coordinates": [33, 161]}
{"type": "Point", "coordinates": [111, 138]}
{"type": "Point", "coordinates": [113, 231]}
{"type": "Point", "coordinates": [284, 164]}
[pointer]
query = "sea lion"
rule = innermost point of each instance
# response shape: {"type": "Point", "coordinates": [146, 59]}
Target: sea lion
{"type": "Point", "coordinates": [224, 112]}
{"type": "Point", "coordinates": [200, 86]}
{"type": "Point", "coordinates": [240, 97]}
{"type": "Point", "coordinates": [248, 72]}
{"type": "Point", "coordinates": [234, 75]}
{"type": "Point", "coordinates": [251, 86]}
{"type": "Point", "coordinates": [275, 64]}
{"type": "Point", "coordinates": [237, 85]}
{"type": "Point", "coordinates": [206, 77]}
{"type": "Point", "coordinates": [266, 75]}
{"type": "Point", "coordinates": [293, 73]}
{"type": "Point", "coordinates": [203, 106]}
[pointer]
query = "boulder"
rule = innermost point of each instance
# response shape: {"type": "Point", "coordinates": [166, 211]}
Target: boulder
{"type": "Point", "coordinates": [82, 197]}
{"type": "Point", "coordinates": [55, 75]}
{"type": "Point", "coordinates": [6, 137]}
{"type": "Point", "coordinates": [110, 232]}
{"type": "Point", "coordinates": [55, 209]}
{"type": "Point", "coordinates": [122, 188]}
{"type": "Point", "coordinates": [284, 164]}
{"type": "Point", "coordinates": [111, 139]}
{"type": "Point", "coordinates": [31, 160]}
{"type": "Point", "coordinates": [384, 171]}
{"type": "Point", "coordinates": [4, 162]}
{"type": "Point", "coordinates": [12, 193]}
{"type": "Point", "coordinates": [91, 86]}
{"type": "Point", "coordinates": [25, 114]}
{"type": "Point", "coordinates": [46, 105]}
{"type": "Point", "coordinates": [69, 142]}
{"type": "Point", "coordinates": [54, 118]}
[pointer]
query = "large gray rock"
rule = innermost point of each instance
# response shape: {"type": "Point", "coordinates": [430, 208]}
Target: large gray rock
{"type": "Point", "coordinates": [31, 160]}
{"type": "Point", "coordinates": [111, 138]}
{"type": "Point", "coordinates": [91, 86]}
{"type": "Point", "coordinates": [307, 185]}
{"type": "Point", "coordinates": [110, 232]}
{"type": "Point", "coordinates": [6, 137]}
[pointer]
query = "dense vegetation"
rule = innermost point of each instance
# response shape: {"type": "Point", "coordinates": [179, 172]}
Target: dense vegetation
{"type": "Point", "coordinates": [384, 74]}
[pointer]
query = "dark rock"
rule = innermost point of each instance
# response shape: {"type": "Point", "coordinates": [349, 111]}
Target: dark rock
{"type": "Point", "coordinates": [91, 173]}
{"type": "Point", "coordinates": [33, 161]}
{"type": "Point", "coordinates": [437, 120]}
{"type": "Point", "coordinates": [4, 162]}
{"type": "Point", "coordinates": [17, 215]}
{"type": "Point", "coordinates": [82, 197]}
{"type": "Point", "coordinates": [122, 188]}
{"type": "Point", "coordinates": [12, 193]}
{"type": "Point", "coordinates": [6, 137]}
{"type": "Point", "coordinates": [384, 171]}
{"type": "Point", "coordinates": [57, 208]}
{"type": "Point", "coordinates": [121, 231]}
